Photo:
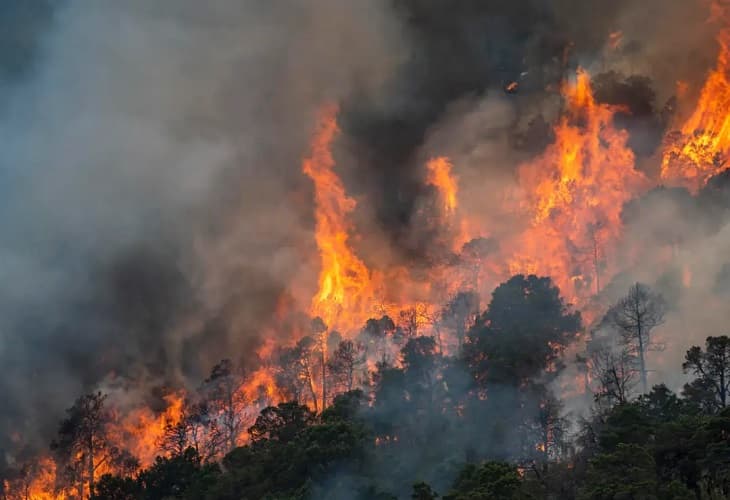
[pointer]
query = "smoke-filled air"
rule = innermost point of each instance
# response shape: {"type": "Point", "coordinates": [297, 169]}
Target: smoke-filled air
{"type": "Point", "coordinates": [349, 249]}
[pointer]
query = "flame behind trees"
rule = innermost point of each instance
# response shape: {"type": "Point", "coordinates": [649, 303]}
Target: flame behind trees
{"type": "Point", "coordinates": [83, 450]}
{"type": "Point", "coordinates": [572, 196]}
{"type": "Point", "coordinates": [345, 293]}
{"type": "Point", "coordinates": [574, 192]}
{"type": "Point", "coordinates": [440, 176]}
{"type": "Point", "coordinates": [699, 149]}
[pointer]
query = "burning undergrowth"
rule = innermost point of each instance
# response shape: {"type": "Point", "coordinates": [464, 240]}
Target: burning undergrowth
{"type": "Point", "coordinates": [251, 184]}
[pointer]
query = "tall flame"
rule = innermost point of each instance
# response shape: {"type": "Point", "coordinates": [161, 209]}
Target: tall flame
{"type": "Point", "coordinates": [440, 176]}
{"type": "Point", "coordinates": [141, 430]}
{"type": "Point", "coordinates": [701, 147]}
{"type": "Point", "coordinates": [344, 281]}
{"type": "Point", "coordinates": [574, 192]}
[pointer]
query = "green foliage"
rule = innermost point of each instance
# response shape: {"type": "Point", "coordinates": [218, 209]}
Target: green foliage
{"type": "Point", "coordinates": [522, 332]}
{"type": "Point", "coordinates": [110, 487]}
{"type": "Point", "coordinates": [281, 423]}
{"type": "Point", "coordinates": [422, 491]}
{"type": "Point", "coordinates": [492, 480]}
{"type": "Point", "coordinates": [628, 472]}
{"type": "Point", "coordinates": [423, 418]}
{"type": "Point", "coordinates": [173, 477]}
{"type": "Point", "coordinates": [291, 453]}
{"type": "Point", "coordinates": [627, 423]}
{"type": "Point", "coordinates": [711, 388]}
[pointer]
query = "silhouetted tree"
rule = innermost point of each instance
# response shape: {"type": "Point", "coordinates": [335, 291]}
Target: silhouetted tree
{"type": "Point", "coordinates": [712, 368]}
{"type": "Point", "coordinates": [376, 332]}
{"type": "Point", "coordinates": [281, 423]}
{"type": "Point", "coordinates": [113, 487]}
{"type": "Point", "coordinates": [459, 314]}
{"type": "Point", "coordinates": [627, 472]}
{"type": "Point", "coordinates": [173, 477]}
{"type": "Point", "coordinates": [422, 491]}
{"type": "Point", "coordinates": [473, 253]}
{"type": "Point", "coordinates": [226, 402]}
{"type": "Point", "coordinates": [614, 373]}
{"type": "Point", "coordinates": [553, 427]}
{"type": "Point", "coordinates": [82, 444]}
{"type": "Point", "coordinates": [319, 332]}
{"type": "Point", "coordinates": [420, 364]}
{"type": "Point", "coordinates": [345, 362]}
{"type": "Point", "coordinates": [492, 480]}
{"type": "Point", "coordinates": [195, 428]}
{"type": "Point", "coordinates": [636, 315]}
{"type": "Point", "coordinates": [523, 332]}
{"type": "Point", "coordinates": [296, 370]}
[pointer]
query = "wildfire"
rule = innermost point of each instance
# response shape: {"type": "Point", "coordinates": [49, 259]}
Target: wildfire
{"type": "Point", "coordinates": [614, 39]}
{"type": "Point", "coordinates": [570, 201]}
{"type": "Point", "coordinates": [345, 290]}
{"type": "Point", "coordinates": [440, 176]}
{"type": "Point", "coordinates": [699, 150]}
{"type": "Point", "coordinates": [574, 193]}
{"type": "Point", "coordinates": [141, 430]}
{"type": "Point", "coordinates": [36, 484]}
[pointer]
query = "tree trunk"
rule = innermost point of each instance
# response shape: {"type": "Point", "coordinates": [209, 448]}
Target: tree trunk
{"type": "Point", "coordinates": [595, 263]}
{"type": "Point", "coordinates": [723, 390]}
{"type": "Point", "coordinates": [90, 465]}
{"type": "Point", "coordinates": [350, 376]}
{"type": "Point", "coordinates": [640, 334]}
{"type": "Point", "coordinates": [311, 388]}
{"type": "Point", "coordinates": [231, 417]}
{"type": "Point", "coordinates": [324, 370]}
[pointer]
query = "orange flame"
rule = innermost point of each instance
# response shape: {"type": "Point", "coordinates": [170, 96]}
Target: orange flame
{"type": "Point", "coordinates": [40, 485]}
{"type": "Point", "coordinates": [614, 39]}
{"type": "Point", "coordinates": [344, 281]}
{"type": "Point", "coordinates": [699, 150]}
{"type": "Point", "coordinates": [574, 193]}
{"type": "Point", "coordinates": [440, 176]}
{"type": "Point", "coordinates": [141, 430]}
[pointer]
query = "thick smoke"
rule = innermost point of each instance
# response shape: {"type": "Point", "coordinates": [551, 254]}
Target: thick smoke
{"type": "Point", "coordinates": [153, 208]}
{"type": "Point", "coordinates": [152, 201]}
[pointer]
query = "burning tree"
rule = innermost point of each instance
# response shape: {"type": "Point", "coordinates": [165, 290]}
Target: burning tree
{"type": "Point", "coordinates": [196, 429]}
{"type": "Point", "coordinates": [296, 370]}
{"type": "Point", "coordinates": [347, 360]}
{"type": "Point", "coordinates": [459, 314]}
{"type": "Point", "coordinates": [226, 402]}
{"type": "Point", "coordinates": [82, 445]}
{"type": "Point", "coordinates": [376, 332]}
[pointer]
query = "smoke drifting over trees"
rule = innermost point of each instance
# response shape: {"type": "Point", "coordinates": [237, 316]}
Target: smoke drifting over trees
{"type": "Point", "coordinates": [156, 219]}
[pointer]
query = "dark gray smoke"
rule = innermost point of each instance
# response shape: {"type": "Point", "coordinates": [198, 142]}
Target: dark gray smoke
{"type": "Point", "coordinates": [152, 205]}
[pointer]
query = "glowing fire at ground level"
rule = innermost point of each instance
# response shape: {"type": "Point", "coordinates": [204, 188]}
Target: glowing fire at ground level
{"type": "Point", "coordinates": [571, 195]}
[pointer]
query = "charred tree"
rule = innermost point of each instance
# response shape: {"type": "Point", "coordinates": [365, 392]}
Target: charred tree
{"type": "Point", "coordinates": [225, 402]}
{"type": "Point", "coordinates": [82, 445]}
{"type": "Point", "coordinates": [613, 369]}
{"type": "Point", "coordinates": [376, 331]}
{"type": "Point", "coordinates": [459, 314]}
{"type": "Point", "coordinates": [345, 362]}
{"type": "Point", "coordinates": [319, 332]}
{"type": "Point", "coordinates": [636, 315]}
